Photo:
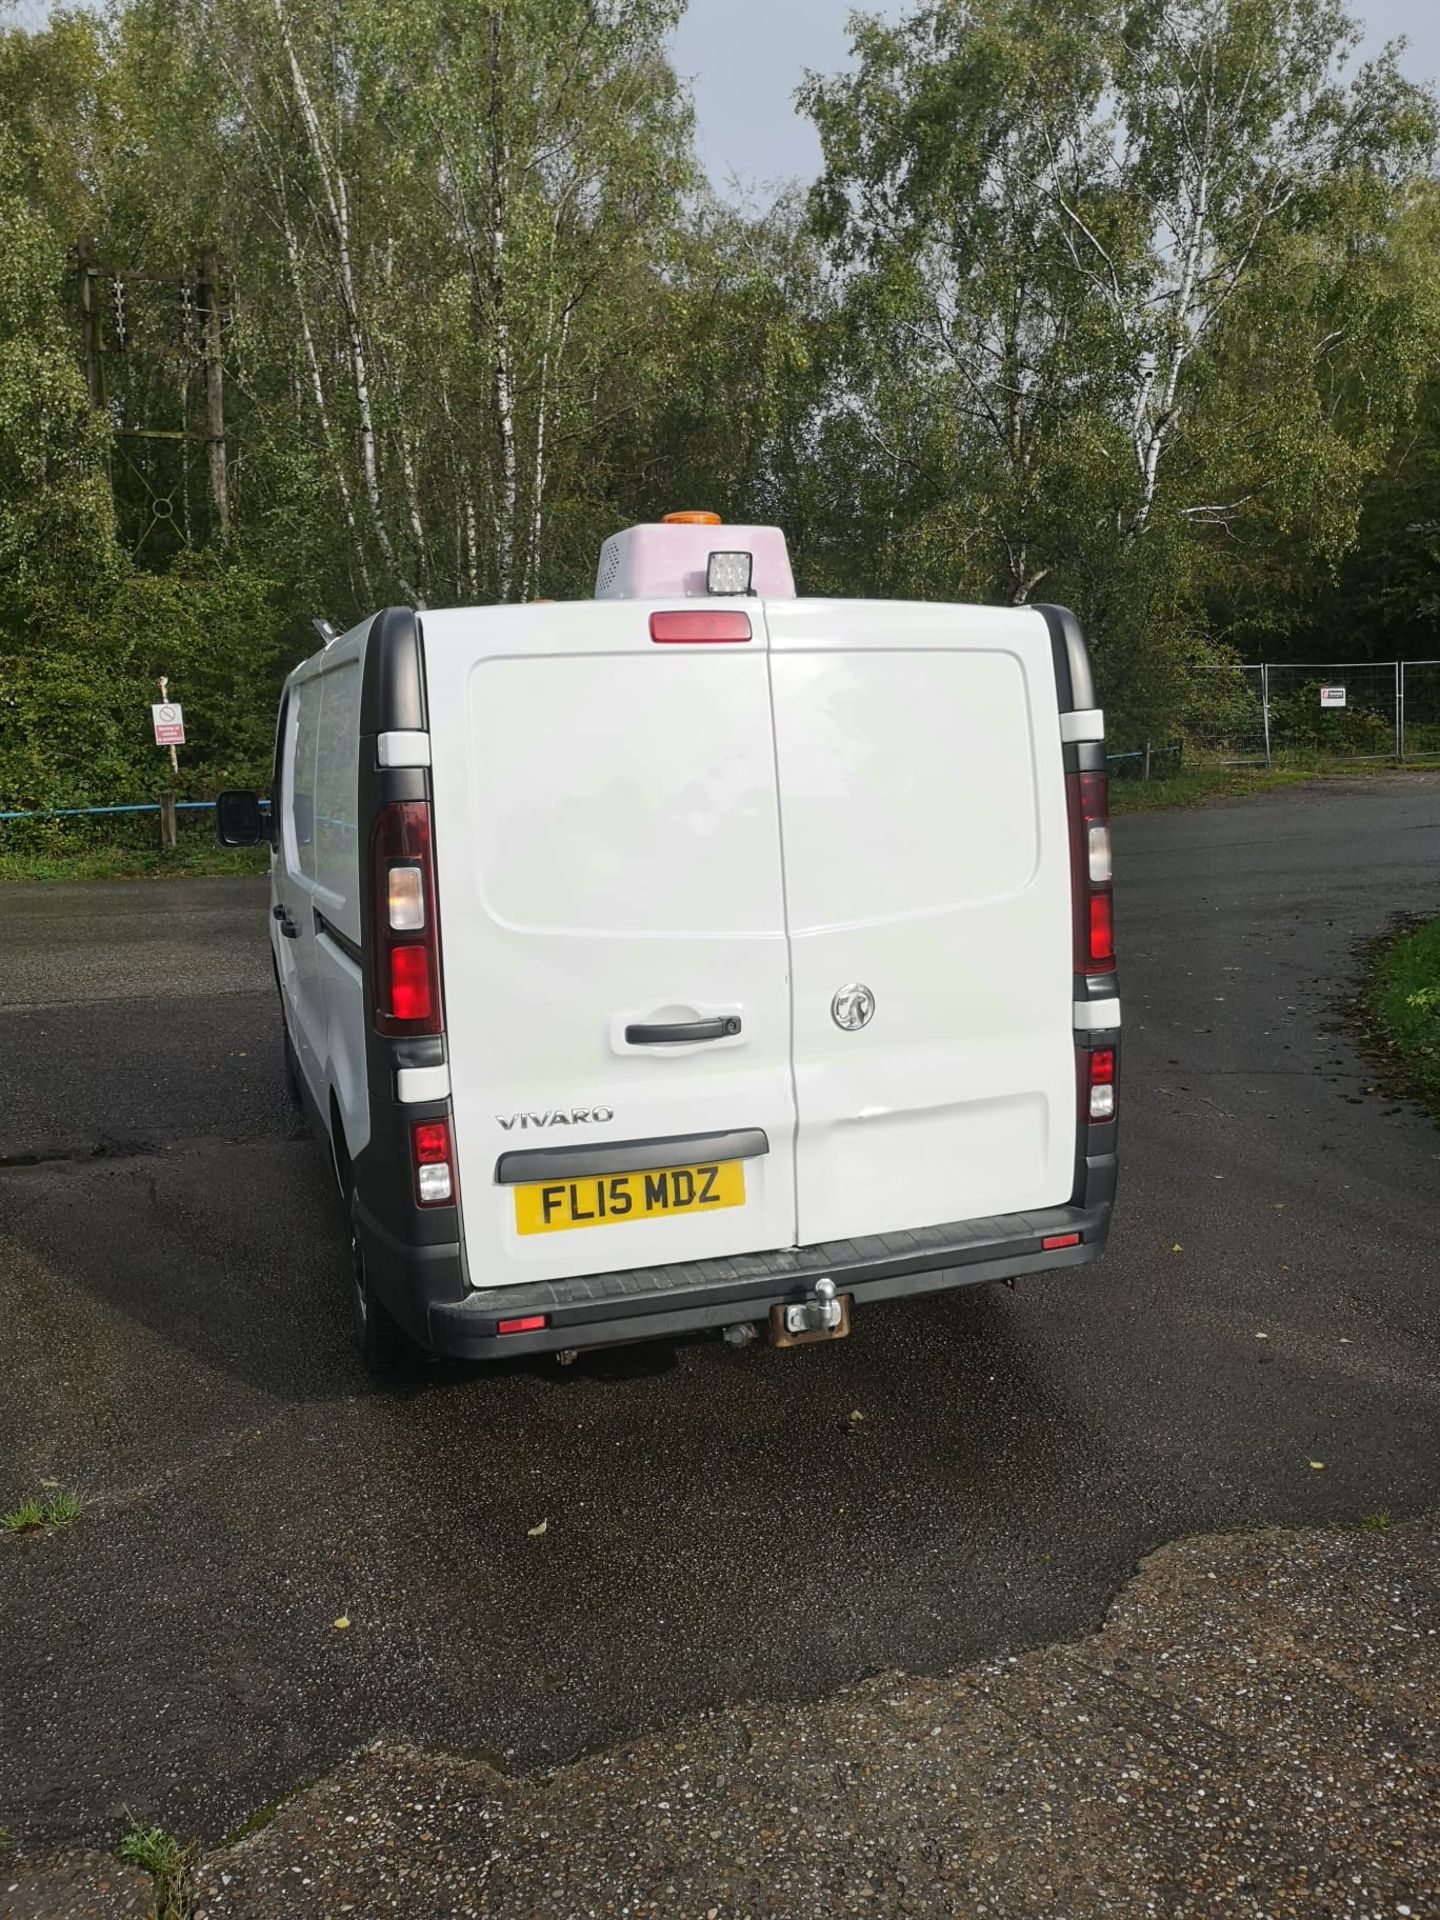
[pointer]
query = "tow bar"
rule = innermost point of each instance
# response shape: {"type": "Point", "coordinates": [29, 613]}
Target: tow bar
{"type": "Point", "coordinates": [824, 1316]}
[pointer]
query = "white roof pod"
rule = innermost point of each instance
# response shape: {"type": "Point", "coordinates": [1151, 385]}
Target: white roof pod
{"type": "Point", "coordinates": [691, 555]}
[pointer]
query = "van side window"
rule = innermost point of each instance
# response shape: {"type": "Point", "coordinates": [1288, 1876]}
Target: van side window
{"type": "Point", "coordinates": [337, 763]}
{"type": "Point", "coordinates": [302, 772]}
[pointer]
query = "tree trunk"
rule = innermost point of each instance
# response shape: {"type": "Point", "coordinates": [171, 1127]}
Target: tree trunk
{"type": "Point", "coordinates": [504, 371]}
{"type": "Point", "coordinates": [209, 304]}
{"type": "Point", "coordinates": [337, 203]}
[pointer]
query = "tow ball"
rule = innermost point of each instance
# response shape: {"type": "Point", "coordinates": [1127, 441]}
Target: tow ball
{"type": "Point", "coordinates": [825, 1315]}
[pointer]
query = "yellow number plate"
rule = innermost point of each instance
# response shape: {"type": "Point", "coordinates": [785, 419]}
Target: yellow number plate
{"type": "Point", "coordinates": [602, 1199]}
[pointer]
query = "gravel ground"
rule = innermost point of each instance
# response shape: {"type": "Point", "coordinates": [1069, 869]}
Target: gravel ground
{"type": "Point", "coordinates": [1251, 1734]}
{"type": "Point", "coordinates": [75, 1883]}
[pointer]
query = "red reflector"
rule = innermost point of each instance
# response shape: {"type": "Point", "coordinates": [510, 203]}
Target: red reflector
{"type": "Point", "coordinates": [432, 1142]}
{"type": "Point", "coordinates": [410, 996]}
{"type": "Point", "coordinates": [1055, 1240]}
{"type": "Point", "coordinates": [678, 628]}
{"type": "Point", "coordinates": [528, 1323]}
{"type": "Point", "coordinates": [1102, 931]}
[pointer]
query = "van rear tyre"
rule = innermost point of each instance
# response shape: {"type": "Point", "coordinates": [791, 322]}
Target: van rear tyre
{"type": "Point", "coordinates": [383, 1344]}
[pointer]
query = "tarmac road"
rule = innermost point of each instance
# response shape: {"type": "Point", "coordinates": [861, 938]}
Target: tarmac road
{"type": "Point", "coordinates": [719, 1527]}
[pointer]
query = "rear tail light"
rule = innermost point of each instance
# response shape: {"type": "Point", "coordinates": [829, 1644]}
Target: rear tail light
{"type": "Point", "coordinates": [434, 1164]}
{"type": "Point", "coordinates": [1090, 872]}
{"type": "Point", "coordinates": [406, 950]}
{"type": "Point", "coordinates": [1098, 1083]}
{"type": "Point", "coordinates": [671, 629]}
{"type": "Point", "coordinates": [412, 992]}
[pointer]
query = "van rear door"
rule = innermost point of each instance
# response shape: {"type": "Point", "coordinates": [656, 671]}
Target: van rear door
{"type": "Point", "coordinates": [927, 882]}
{"type": "Point", "coordinates": [607, 850]}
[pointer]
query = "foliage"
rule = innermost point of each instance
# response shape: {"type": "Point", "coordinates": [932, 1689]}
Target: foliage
{"type": "Point", "coordinates": [56, 521]}
{"type": "Point", "coordinates": [1298, 721]}
{"type": "Point", "coordinates": [1132, 307]}
{"type": "Point", "coordinates": [75, 712]}
{"type": "Point", "coordinates": [1125, 305]}
{"type": "Point", "coordinates": [1405, 999]}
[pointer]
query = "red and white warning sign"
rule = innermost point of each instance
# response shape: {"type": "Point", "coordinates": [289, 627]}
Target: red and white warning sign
{"type": "Point", "coordinates": [169, 722]}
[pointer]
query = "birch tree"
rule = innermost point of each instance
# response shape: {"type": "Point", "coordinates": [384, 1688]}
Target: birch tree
{"type": "Point", "coordinates": [1048, 216]}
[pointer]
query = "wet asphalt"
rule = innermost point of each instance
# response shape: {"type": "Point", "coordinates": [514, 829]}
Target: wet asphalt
{"type": "Point", "coordinates": [719, 1527]}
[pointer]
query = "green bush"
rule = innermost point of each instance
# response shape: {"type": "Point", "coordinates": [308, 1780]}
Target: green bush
{"type": "Point", "coordinates": [78, 676]}
{"type": "Point", "coordinates": [1405, 995]}
{"type": "Point", "coordinates": [1298, 723]}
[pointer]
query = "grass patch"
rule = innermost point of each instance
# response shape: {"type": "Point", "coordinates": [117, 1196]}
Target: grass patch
{"type": "Point", "coordinates": [1404, 1003]}
{"type": "Point", "coordinates": [168, 1863]}
{"type": "Point", "coordinates": [1376, 1522]}
{"type": "Point", "coordinates": [1195, 786]}
{"type": "Point", "coordinates": [56, 1509]}
{"type": "Point", "coordinates": [1194, 789]}
{"type": "Point", "coordinates": [125, 862]}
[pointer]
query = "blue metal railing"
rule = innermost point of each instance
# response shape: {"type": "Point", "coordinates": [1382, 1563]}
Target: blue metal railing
{"type": "Point", "coordinates": [137, 806]}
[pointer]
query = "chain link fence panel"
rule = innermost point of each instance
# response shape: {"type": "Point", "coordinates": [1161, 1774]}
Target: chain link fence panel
{"type": "Point", "coordinates": [1420, 709]}
{"type": "Point", "coordinates": [1340, 710]}
{"type": "Point", "coordinates": [1298, 713]}
{"type": "Point", "coordinates": [1224, 718]}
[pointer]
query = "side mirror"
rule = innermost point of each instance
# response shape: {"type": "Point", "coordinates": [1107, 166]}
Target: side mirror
{"type": "Point", "coordinates": [238, 819]}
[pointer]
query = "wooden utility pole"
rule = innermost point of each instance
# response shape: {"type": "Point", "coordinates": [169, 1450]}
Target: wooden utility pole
{"type": "Point", "coordinates": [90, 326]}
{"type": "Point", "coordinates": [209, 304]}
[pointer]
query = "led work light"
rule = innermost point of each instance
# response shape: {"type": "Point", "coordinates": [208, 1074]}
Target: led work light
{"type": "Point", "coordinates": [729, 573]}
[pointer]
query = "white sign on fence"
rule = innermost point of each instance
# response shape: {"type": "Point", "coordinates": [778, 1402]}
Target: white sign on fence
{"type": "Point", "coordinates": [1332, 696]}
{"type": "Point", "coordinates": [169, 719]}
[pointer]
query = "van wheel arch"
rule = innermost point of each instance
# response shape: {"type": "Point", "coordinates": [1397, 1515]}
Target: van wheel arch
{"type": "Point", "coordinates": [387, 1351]}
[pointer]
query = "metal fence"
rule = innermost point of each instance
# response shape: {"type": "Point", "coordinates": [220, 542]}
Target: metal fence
{"type": "Point", "coordinates": [132, 826]}
{"type": "Point", "coordinates": [1299, 711]}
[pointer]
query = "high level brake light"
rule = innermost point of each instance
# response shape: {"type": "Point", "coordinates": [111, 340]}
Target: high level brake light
{"type": "Point", "coordinates": [687, 628]}
{"type": "Point", "coordinates": [1090, 872]}
{"type": "Point", "coordinates": [407, 953]}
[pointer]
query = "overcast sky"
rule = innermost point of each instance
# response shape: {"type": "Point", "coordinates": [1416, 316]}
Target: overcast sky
{"type": "Point", "coordinates": [745, 58]}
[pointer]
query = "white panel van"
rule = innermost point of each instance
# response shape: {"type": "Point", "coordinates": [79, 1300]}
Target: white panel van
{"type": "Point", "coordinates": [697, 957]}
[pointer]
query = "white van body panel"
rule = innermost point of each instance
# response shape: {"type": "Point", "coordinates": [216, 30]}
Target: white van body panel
{"type": "Point", "coordinates": [316, 871]}
{"type": "Point", "coordinates": [607, 848]}
{"type": "Point", "coordinates": [788, 893]}
{"type": "Point", "coordinates": [926, 858]}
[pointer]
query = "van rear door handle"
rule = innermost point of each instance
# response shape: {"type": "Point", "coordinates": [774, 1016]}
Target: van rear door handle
{"type": "Point", "coordinates": [683, 1032]}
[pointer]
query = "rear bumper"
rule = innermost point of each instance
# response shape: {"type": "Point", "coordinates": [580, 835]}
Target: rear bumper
{"type": "Point", "coordinates": [424, 1289]}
